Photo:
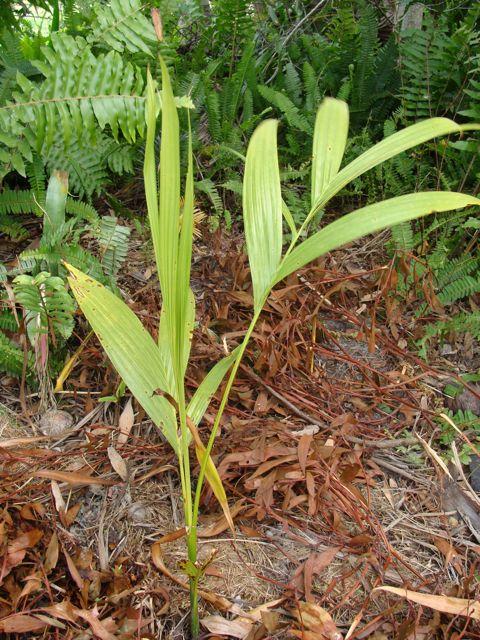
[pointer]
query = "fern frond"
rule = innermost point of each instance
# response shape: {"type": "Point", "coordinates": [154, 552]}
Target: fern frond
{"type": "Point", "coordinates": [121, 25]}
{"type": "Point", "coordinates": [11, 357]}
{"type": "Point", "coordinates": [113, 240]}
{"type": "Point", "coordinates": [461, 288]}
{"type": "Point", "coordinates": [293, 115]}
{"type": "Point", "coordinates": [402, 236]}
{"type": "Point", "coordinates": [207, 187]}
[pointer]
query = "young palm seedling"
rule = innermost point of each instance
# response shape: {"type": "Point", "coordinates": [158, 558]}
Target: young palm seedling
{"type": "Point", "coordinates": [155, 373]}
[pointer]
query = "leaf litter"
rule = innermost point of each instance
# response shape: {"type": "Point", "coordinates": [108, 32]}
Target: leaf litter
{"type": "Point", "coordinates": [326, 508]}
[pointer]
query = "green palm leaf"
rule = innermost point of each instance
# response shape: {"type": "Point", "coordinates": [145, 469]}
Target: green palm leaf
{"type": "Point", "coordinates": [329, 140]}
{"type": "Point", "coordinates": [262, 208]}
{"type": "Point", "coordinates": [388, 148]}
{"type": "Point", "coordinates": [369, 220]}
{"type": "Point", "coordinates": [129, 346]}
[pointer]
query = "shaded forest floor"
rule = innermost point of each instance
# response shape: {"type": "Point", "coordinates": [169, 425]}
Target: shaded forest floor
{"type": "Point", "coordinates": [330, 450]}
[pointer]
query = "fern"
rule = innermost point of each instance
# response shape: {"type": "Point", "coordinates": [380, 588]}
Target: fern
{"type": "Point", "coordinates": [402, 236]}
{"type": "Point", "coordinates": [460, 288]}
{"type": "Point", "coordinates": [11, 357]}
{"type": "Point", "coordinates": [462, 323]}
{"type": "Point", "coordinates": [293, 115]}
{"type": "Point", "coordinates": [79, 95]}
{"type": "Point", "coordinates": [207, 187]}
{"type": "Point", "coordinates": [46, 304]}
{"type": "Point", "coordinates": [113, 241]}
{"type": "Point", "coordinates": [120, 25]}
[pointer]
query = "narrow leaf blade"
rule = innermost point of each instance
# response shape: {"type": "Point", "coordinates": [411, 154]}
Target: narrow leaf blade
{"type": "Point", "coordinates": [208, 387]}
{"type": "Point", "coordinates": [370, 220]}
{"type": "Point", "coordinates": [129, 346]}
{"type": "Point", "coordinates": [388, 148]}
{"type": "Point", "coordinates": [262, 207]}
{"type": "Point", "coordinates": [329, 140]}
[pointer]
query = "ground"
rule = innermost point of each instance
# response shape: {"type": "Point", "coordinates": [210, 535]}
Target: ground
{"type": "Point", "coordinates": [331, 452]}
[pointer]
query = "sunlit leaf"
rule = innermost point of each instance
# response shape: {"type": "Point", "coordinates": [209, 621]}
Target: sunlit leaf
{"type": "Point", "coordinates": [129, 346]}
{"type": "Point", "coordinates": [262, 207]}
{"type": "Point", "coordinates": [388, 148]}
{"type": "Point", "coordinates": [329, 140]}
{"type": "Point", "coordinates": [207, 388]}
{"type": "Point", "coordinates": [369, 220]}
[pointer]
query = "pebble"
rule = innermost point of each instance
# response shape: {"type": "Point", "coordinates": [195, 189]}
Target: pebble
{"type": "Point", "coordinates": [55, 422]}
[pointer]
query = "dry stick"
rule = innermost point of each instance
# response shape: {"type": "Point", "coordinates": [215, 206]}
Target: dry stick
{"type": "Point", "coordinates": [287, 403]}
{"type": "Point", "coordinates": [380, 444]}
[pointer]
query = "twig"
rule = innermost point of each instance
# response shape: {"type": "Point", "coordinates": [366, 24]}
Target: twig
{"type": "Point", "coordinates": [283, 400]}
{"type": "Point", "coordinates": [405, 474]}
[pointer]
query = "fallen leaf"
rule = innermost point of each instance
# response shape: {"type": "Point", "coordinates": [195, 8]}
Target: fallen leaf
{"type": "Point", "coordinates": [51, 621]}
{"type": "Point", "coordinates": [241, 626]}
{"type": "Point", "coordinates": [219, 602]}
{"type": "Point", "coordinates": [303, 449]}
{"type": "Point", "coordinates": [98, 627]}
{"type": "Point", "coordinates": [125, 423]}
{"type": "Point", "coordinates": [314, 565]}
{"type": "Point", "coordinates": [24, 541]}
{"type": "Point", "coordinates": [51, 554]}
{"type": "Point", "coordinates": [237, 628]}
{"type": "Point", "coordinates": [219, 525]}
{"type": "Point", "coordinates": [60, 505]}
{"type": "Point", "coordinates": [33, 583]}
{"type": "Point", "coordinates": [316, 623]}
{"type": "Point", "coordinates": [73, 570]}
{"type": "Point", "coordinates": [63, 610]}
{"type": "Point", "coordinates": [68, 518]}
{"type": "Point", "coordinates": [445, 604]}
{"type": "Point", "coordinates": [70, 477]}
{"type": "Point", "coordinates": [118, 463]}
{"type": "Point", "coordinates": [19, 623]}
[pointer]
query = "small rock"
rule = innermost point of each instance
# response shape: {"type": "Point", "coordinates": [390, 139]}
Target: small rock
{"type": "Point", "coordinates": [55, 422]}
{"type": "Point", "coordinates": [448, 350]}
{"type": "Point", "coordinates": [466, 401]}
{"type": "Point", "coordinates": [475, 473]}
{"type": "Point", "coordinates": [138, 512]}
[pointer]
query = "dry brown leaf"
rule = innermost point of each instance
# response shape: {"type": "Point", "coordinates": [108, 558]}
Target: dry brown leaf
{"type": "Point", "coordinates": [220, 524]}
{"type": "Point", "coordinates": [241, 626]}
{"type": "Point", "coordinates": [73, 570]}
{"type": "Point", "coordinates": [33, 583]}
{"type": "Point", "coordinates": [316, 623]}
{"type": "Point", "coordinates": [68, 518]}
{"type": "Point", "coordinates": [445, 604]}
{"type": "Point", "coordinates": [51, 554]}
{"type": "Point", "coordinates": [15, 442]}
{"type": "Point", "coordinates": [31, 510]}
{"type": "Point", "coordinates": [98, 627]}
{"type": "Point", "coordinates": [60, 505]}
{"type": "Point", "coordinates": [51, 621]}
{"type": "Point", "coordinates": [314, 565]}
{"type": "Point", "coordinates": [70, 477]}
{"type": "Point", "coordinates": [118, 463]}
{"type": "Point", "coordinates": [125, 423]}
{"type": "Point", "coordinates": [24, 541]}
{"type": "Point", "coordinates": [19, 623]}
{"type": "Point", "coordinates": [238, 628]}
{"type": "Point", "coordinates": [219, 602]}
{"type": "Point", "coordinates": [63, 610]}
{"type": "Point", "coordinates": [303, 448]}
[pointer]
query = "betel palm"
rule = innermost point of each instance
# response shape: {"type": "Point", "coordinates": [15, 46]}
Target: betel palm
{"type": "Point", "coordinates": [154, 372]}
